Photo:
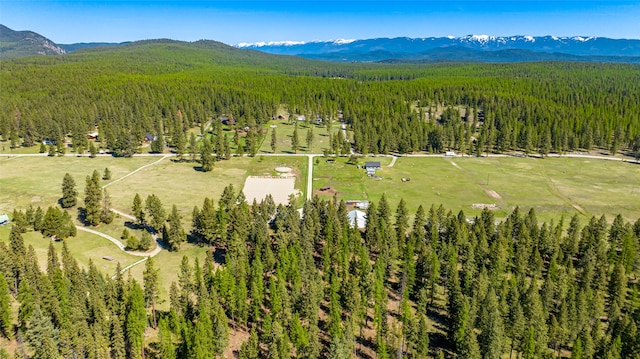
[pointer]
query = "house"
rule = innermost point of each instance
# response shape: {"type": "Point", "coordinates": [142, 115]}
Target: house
{"type": "Point", "coordinates": [92, 135]}
{"type": "Point", "coordinates": [301, 118]}
{"type": "Point", "coordinates": [357, 219]}
{"type": "Point", "coordinates": [149, 137]}
{"type": "Point", "coordinates": [4, 219]}
{"type": "Point", "coordinates": [371, 167]}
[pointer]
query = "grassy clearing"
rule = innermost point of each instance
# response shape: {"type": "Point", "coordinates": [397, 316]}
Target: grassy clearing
{"type": "Point", "coordinates": [552, 186]}
{"type": "Point", "coordinates": [38, 180]}
{"type": "Point", "coordinates": [284, 134]}
{"type": "Point", "coordinates": [179, 183]}
{"type": "Point", "coordinates": [84, 247]}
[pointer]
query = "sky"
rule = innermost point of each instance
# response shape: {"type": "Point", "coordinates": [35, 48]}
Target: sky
{"type": "Point", "coordinates": [236, 21]}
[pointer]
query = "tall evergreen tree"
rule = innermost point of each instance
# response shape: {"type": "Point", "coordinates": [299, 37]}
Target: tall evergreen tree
{"type": "Point", "coordinates": [156, 212]}
{"type": "Point", "coordinates": [151, 290]}
{"type": "Point", "coordinates": [206, 158]}
{"type": "Point", "coordinates": [137, 209]}
{"type": "Point", "coordinates": [136, 321]}
{"type": "Point", "coordinates": [69, 192]}
{"type": "Point", "coordinates": [5, 307]}
{"type": "Point", "coordinates": [92, 199]}
{"type": "Point", "coordinates": [176, 234]}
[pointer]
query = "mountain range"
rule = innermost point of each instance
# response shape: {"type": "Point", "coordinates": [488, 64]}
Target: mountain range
{"type": "Point", "coordinates": [25, 43]}
{"type": "Point", "coordinates": [471, 48]}
{"type": "Point", "coordinates": [483, 48]}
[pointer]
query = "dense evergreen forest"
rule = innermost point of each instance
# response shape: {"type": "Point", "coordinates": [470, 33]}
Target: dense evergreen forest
{"type": "Point", "coordinates": [163, 87]}
{"type": "Point", "coordinates": [311, 286]}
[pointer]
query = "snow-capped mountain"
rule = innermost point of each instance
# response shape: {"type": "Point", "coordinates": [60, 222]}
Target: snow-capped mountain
{"type": "Point", "coordinates": [416, 48]}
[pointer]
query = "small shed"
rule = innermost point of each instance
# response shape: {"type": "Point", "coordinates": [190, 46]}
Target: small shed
{"type": "Point", "coordinates": [357, 219]}
{"type": "Point", "coordinates": [360, 204]}
{"type": "Point", "coordinates": [4, 219]}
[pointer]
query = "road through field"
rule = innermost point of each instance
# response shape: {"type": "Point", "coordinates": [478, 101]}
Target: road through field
{"type": "Point", "coordinates": [310, 178]}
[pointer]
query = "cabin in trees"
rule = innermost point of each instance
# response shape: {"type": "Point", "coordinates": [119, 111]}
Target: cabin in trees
{"type": "Point", "coordinates": [92, 135]}
{"type": "Point", "coordinates": [149, 137]}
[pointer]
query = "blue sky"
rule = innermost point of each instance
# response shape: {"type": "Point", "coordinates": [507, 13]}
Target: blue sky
{"type": "Point", "coordinates": [235, 21]}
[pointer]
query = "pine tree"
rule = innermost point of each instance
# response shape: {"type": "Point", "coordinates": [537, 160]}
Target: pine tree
{"type": "Point", "coordinates": [156, 212]}
{"type": "Point", "coordinates": [118, 347]}
{"type": "Point", "coordinates": [42, 336]}
{"type": "Point", "coordinates": [146, 241]}
{"type": "Point", "coordinates": [137, 209]}
{"type": "Point", "coordinates": [310, 138]}
{"type": "Point", "coordinates": [151, 291]}
{"type": "Point", "coordinates": [93, 151]}
{"type": "Point", "coordinates": [166, 347]}
{"type": "Point", "coordinates": [274, 140]}
{"type": "Point", "coordinates": [492, 331]}
{"type": "Point", "coordinates": [193, 147]}
{"type": "Point", "coordinates": [107, 174]}
{"type": "Point", "coordinates": [176, 234]}
{"type": "Point", "coordinates": [136, 321]}
{"type": "Point", "coordinates": [294, 139]}
{"type": "Point", "coordinates": [206, 159]}
{"type": "Point", "coordinates": [69, 193]}
{"type": "Point", "coordinates": [92, 199]}
{"type": "Point", "coordinates": [106, 215]}
{"type": "Point", "coordinates": [5, 307]}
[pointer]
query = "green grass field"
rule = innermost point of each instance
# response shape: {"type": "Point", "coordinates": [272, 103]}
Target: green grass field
{"type": "Point", "coordinates": [38, 180]}
{"type": "Point", "coordinates": [179, 183]}
{"type": "Point", "coordinates": [552, 186]}
{"type": "Point", "coordinates": [284, 134]}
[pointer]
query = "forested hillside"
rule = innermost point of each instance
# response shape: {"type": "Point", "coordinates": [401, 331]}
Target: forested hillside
{"type": "Point", "coordinates": [140, 88]}
{"type": "Point", "coordinates": [312, 286]}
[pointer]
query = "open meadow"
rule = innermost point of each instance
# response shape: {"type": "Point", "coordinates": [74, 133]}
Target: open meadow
{"type": "Point", "coordinates": [38, 180]}
{"type": "Point", "coordinates": [552, 186]}
{"type": "Point", "coordinates": [284, 135]}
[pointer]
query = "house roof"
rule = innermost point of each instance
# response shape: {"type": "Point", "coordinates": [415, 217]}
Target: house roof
{"type": "Point", "coordinates": [4, 218]}
{"type": "Point", "coordinates": [372, 164]}
{"type": "Point", "coordinates": [357, 219]}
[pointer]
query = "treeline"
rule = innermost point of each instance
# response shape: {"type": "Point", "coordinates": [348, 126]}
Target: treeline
{"type": "Point", "coordinates": [312, 286]}
{"type": "Point", "coordinates": [164, 89]}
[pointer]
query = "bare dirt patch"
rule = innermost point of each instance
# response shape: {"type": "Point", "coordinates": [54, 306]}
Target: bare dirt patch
{"type": "Point", "coordinates": [489, 206]}
{"type": "Point", "coordinates": [278, 187]}
{"type": "Point", "coordinates": [492, 193]}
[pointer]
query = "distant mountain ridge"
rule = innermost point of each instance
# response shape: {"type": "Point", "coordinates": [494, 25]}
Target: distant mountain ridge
{"type": "Point", "coordinates": [470, 48]}
{"type": "Point", "coordinates": [381, 49]}
{"type": "Point", "coordinates": [15, 44]}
